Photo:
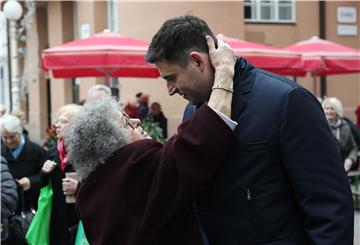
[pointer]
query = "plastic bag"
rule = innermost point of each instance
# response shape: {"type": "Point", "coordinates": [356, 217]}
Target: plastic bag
{"type": "Point", "coordinates": [39, 230]}
{"type": "Point", "coordinates": [80, 236]}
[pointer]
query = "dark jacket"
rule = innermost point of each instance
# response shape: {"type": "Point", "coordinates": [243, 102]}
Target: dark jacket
{"type": "Point", "coordinates": [356, 135]}
{"type": "Point", "coordinates": [28, 164]}
{"type": "Point", "coordinates": [285, 183]}
{"type": "Point", "coordinates": [9, 195]}
{"type": "Point", "coordinates": [63, 215]}
{"type": "Point", "coordinates": [143, 195]}
{"type": "Point", "coordinates": [354, 130]}
{"type": "Point", "coordinates": [346, 143]}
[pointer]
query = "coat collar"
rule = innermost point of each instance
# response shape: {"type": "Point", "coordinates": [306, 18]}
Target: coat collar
{"type": "Point", "coordinates": [243, 84]}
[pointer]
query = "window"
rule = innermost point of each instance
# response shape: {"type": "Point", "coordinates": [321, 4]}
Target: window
{"type": "Point", "coordinates": [279, 11]}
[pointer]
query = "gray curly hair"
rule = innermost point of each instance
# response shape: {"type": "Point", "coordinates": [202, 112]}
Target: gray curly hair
{"type": "Point", "coordinates": [95, 134]}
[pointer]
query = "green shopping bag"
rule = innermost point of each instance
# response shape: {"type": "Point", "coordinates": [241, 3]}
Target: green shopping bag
{"type": "Point", "coordinates": [39, 230]}
{"type": "Point", "coordinates": [80, 236]}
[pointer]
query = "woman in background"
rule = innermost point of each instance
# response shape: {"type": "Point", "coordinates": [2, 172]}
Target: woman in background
{"type": "Point", "coordinates": [63, 216]}
{"type": "Point", "coordinates": [341, 130]}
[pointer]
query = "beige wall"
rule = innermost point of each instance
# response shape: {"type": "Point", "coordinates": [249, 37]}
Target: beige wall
{"type": "Point", "coordinates": [38, 106]}
{"type": "Point", "coordinates": [94, 14]}
{"type": "Point", "coordinates": [345, 87]}
{"type": "Point", "coordinates": [60, 30]}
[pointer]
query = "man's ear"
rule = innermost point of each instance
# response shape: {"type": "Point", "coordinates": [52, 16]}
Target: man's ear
{"type": "Point", "coordinates": [198, 59]}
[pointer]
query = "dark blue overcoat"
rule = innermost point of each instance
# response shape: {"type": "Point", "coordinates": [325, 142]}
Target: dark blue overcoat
{"type": "Point", "coordinates": [285, 184]}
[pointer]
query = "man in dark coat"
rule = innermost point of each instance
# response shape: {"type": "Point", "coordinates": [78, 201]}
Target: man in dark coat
{"type": "Point", "coordinates": [285, 183]}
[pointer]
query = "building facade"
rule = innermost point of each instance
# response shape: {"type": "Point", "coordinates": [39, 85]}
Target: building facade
{"type": "Point", "coordinates": [276, 23]}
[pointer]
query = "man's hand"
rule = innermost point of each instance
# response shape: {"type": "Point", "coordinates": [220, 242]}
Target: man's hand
{"type": "Point", "coordinates": [69, 186]}
{"type": "Point", "coordinates": [24, 183]}
{"type": "Point", "coordinates": [223, 58]}
{"type": "Point", "coordinates": [48, 166]}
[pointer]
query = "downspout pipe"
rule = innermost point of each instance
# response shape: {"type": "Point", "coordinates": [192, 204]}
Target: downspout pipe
{"type": "Point", "coordinates": [322, 35]}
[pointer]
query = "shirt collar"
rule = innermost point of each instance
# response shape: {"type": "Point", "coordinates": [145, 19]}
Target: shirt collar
{"type": "Point", "coordinates": [16, 152]}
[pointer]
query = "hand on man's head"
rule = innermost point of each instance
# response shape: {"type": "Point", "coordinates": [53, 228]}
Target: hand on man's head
{"type": "Point", "coordinates": [221, 57]}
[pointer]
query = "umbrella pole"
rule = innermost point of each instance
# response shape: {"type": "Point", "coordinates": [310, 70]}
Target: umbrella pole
{"type": "Point", "coordinates": [314, 86]}
{"type": "Point", "coordinates": [107, 79]}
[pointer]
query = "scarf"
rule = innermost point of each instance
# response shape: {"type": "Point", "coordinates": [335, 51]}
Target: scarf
{"type": "Point", "coordinates": [62, 153]}
{"type": "Point", "coordinates": [335, 128]}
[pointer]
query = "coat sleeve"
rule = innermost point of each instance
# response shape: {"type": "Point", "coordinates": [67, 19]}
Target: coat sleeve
{"type": "Point", "coordinates": [9, 195]}
{"type": "Point", "coordinates": [316, 173]}
{"type": "Point", "coordinates": [35, 179]}
{"type": "Point", "coordinates": [351, 145]}
{"type": "Point", "coordinates": [186, 164]}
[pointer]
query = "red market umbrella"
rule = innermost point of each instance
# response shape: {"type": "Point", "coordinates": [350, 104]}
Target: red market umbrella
{"type": "Point", "coordinates": [322, 57]}
{"type": "Point", "coordinates": [276, 60]}
{"type": "Point", "coordinates": [102, 55]}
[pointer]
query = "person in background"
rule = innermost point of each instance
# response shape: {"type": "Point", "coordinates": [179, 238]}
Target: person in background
{"type": "Point", "coordinates": [25, 159]}
{"type": "Point", "coordinates": [21, 115]}
{"type": "Point", "coordinates": [99, 90]}
{"type": "Point", "coordinates": [284, 183]}
{"type": "Point", "coordinates": [341, 130]}
{"type": "Point", "coordinates": [156, 115]}
{"type": "Point", "coordinates": [357, 113]}
{"type": "Point", "coordinates": [64, 219]}
{"type": "Point", "coordinates": [136, 190]}
{"type": "Point", "coordinates": [143, 106]}
{"type": "Point", "coordinates": [9, 199]}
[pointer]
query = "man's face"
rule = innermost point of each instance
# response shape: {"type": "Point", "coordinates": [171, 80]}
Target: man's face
{"type": "Point", "coordinates": [193, 82]}
{"type": "Point", "coordinates": [11, 140]}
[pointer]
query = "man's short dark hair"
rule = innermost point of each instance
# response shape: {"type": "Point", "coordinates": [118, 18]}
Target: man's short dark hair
{"type": "Point", "coordinates": [176, 38]}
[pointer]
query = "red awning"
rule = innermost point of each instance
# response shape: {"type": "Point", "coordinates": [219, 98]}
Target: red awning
{"type": "Point", "coordinates": [322, 57]}
{"type": "Point", "coordinates": [104, 54]}
{"type": "Point", "coordinates": [276, 60]}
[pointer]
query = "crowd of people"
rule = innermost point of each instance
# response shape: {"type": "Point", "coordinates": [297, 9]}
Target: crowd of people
{"type": "Point", "coordinates": [257, 159]}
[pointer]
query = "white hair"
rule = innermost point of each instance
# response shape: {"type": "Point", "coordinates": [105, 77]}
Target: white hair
{"type": "Point", "coordinates": [98, 88]}
{"type": "Point", "coordinates": [11, 124]}
{"type": "Point", "coordinates": [69, 110]}
{"type": "Point", "coordinates": [95, 134]}
{"type": "Point", "coordinates": [334, 103]}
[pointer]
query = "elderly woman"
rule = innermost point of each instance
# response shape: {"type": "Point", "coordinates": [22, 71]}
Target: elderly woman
{"type": "Point", "coordinates": [63, 216]}
{"type": "Point", "coordinates": [24, 158]}
{"type": "Point", "coordinates": [138, 191]}
{"type": "Point", "coordinates": [341, 130]}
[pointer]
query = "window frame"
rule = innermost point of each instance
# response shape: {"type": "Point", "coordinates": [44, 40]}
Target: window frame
{"type": "Point", "coordinates": [276, 3]}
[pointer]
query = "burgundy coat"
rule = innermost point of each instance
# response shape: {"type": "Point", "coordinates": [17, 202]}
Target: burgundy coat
{"type": "Point", "coordinates": [144, 194]}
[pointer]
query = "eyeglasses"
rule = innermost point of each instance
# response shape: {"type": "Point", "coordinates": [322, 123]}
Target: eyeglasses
{"type": "Point", "coordinates": [128, 120]}
{"type": "Point", "coordinates": [61, 121]}
{"type": "Point", "coordinates": [131, 124]}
